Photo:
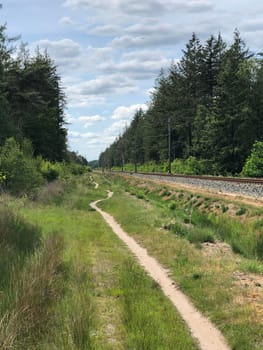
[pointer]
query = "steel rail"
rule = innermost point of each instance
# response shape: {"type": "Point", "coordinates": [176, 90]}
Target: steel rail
{"type": "Point", "coordinates": [199, 177]}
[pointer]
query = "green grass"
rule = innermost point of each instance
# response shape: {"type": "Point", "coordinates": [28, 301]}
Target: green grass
{"type": "Point", "coordinates": [102, 299]}
{"type": "Point", "coordinates": [207, 279]}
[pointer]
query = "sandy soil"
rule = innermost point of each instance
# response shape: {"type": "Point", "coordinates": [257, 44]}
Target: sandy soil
{"type": "Point", "coordinates": [207, 335]}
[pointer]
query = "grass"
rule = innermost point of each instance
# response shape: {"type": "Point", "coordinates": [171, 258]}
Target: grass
{"type": "Point", "coordinates": [81, 284]}
{"type": "Point", "coordinates": [253, 266]}
{"type": "Point", "coordinates": [208, 278]}
{"type": "Point", "coordinates": [31, 271]}
{"type": "Point", "coordinates": [150, 321]}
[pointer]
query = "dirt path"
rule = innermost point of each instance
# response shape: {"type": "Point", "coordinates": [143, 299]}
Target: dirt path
{"type": "Point", "coordinates": [202, 329]}
{"type": "Point", "coordinates": [96, 185]}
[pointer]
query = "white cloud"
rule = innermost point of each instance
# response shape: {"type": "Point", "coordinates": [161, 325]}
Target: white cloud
{"type": "Point", "coordinates": [151, 33]}
{"type": "Point", "coordinates": [87, 120]}
{"type": "Point", "coordinates": [138, 65]}
{"type": "Point", "coordinates": [106, 30]}
{"type": "Point", "coordinates": [116, 128]}
{"type": "Point", "coordinates": [146, 8]}
{"type": "Point", "coordinates": [70, 55]}
{"type": "Point", "coordinates": [76, 100]}
{"type": "Point", "coordinates": [65, 21]}
{"type": "Point", "coordinates": [127, 113]}
{"type": "Point", "coordinates": [64, 48]}
{"type": "Point", "coordinates": [103, 138]}
{"type": "Point", "coordinates": [73, 133]}
{"type": "Point", "coordinates": [92, 118]}
{"type": "Point", "coordinates": [103, 85]}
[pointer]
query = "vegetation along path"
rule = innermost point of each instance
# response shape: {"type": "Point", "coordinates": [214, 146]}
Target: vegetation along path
{"type": "Point", "coordinates": [201, 328]}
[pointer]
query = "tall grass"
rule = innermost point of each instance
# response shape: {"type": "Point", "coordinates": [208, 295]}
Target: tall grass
{"type": "Point", "coordinates": [31, 274]}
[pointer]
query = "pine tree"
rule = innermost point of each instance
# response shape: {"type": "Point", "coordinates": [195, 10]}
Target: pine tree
{"type": "Point", "coordinates": [191, 88]}
{"type": "Point", "coordinates": [233, 111]}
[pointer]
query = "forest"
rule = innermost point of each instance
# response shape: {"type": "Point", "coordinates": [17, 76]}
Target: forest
{"type": "Point", "coordinates": [33, 136]}
{"type": "Point", "coordinates": [205, 115]}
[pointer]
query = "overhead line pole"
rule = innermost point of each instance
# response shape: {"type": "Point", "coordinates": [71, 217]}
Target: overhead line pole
{"type": "Point", "coordinates": [169, 145]}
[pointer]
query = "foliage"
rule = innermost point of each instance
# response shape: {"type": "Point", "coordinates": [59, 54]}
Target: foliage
{"type": "Point", "coordinates": [19, 170]}
{"type": "Point", "coordinates": [209, 103]}
{"type": "Point", "coordinates": [253, 166]}
{"type": "Point", "coordinates": [49, 171]}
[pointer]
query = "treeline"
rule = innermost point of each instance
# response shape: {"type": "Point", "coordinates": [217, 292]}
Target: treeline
{"type": "Point", "coordinates": [33, 137]}
{"type": "Point", "coordinates": [210, 106]}
{"type": "Point", "coordinates": [31, 100]}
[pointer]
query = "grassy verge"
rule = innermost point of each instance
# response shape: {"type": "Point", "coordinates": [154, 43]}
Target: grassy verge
{"type": "Point", "coordinates": [183, 232]}
{"type": "Point", "coordinates": [31, 273]}
{"type": "Point", "coordinates": [95, 304]}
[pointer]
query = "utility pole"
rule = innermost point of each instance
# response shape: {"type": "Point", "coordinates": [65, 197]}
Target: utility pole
{"type": "Point", "coordinates": [169, 145]}
{"type": "Point", "coordinates": [135, 157]}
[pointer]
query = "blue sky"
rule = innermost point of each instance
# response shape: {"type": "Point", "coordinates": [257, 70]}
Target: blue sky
{"type": "Point", "coordinates": [109, 52]}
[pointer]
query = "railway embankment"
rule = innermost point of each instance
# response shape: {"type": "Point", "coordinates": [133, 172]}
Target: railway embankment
{"type": "Point", "coordinates": [243, 188]}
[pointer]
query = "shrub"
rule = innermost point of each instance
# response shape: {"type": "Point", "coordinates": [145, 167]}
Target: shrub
{"type": "Point", "coordinates": [198, 235]}
{"type": "Point", "coordinates": [179, 229]}
{"type": "Point", "coordinates": [19, 171]}
{"type": "Point", "coordinates": [172, 205]}
{"type": "Point", "coordinates": [241, 211]}
{"type": "Point", "coordinates": [192, 166]}
{"type": "Point", "coordinates": [49, 171]}
{"type": "Point", "coordinates": [254, 164]}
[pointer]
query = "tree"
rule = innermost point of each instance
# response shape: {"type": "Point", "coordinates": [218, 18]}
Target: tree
{"type": "Point", "coordinates": [36, 104]}
{"type": "Point", "coordinates": [231, 138]}
{"type": "Point", "coordinates": [7, 128]}
{"type": "Point", "coordinates": [190, 70]}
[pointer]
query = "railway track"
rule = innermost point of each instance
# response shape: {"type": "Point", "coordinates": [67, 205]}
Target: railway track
{"type": "Point", "coordinates": [242, 186]}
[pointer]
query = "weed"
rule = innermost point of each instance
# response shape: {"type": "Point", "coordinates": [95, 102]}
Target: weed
{"type": "Point", "coordinates": [197, 235]}
{"type": "Point", "coordinates": [224, 208]}
{"type": "Point", "coordinates": [197, 275]}
{"type": "Point", "coordinates": [241, 211]}
{"type": "Point", "coordinates": [258, 224]}
{"type": "Point", "coordinates": [179, 229]}
{"type": "Point", "coordinates": [252, 266]}
{"type": "Point", "coordinates": [172, 205]}
{"type": "Point", "coordinates": [259, 246]}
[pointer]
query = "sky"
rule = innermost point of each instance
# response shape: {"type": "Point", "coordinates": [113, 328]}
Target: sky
{"type": "Point", "coordinates": [109, 52]}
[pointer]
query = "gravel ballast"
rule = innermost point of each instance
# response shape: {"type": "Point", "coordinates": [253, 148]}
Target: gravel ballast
{"type": "Point", "coordinates": [242, 188]}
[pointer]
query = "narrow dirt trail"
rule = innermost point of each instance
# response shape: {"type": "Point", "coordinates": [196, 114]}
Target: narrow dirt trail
{"type": "Point", "coordinates": [208, 336]}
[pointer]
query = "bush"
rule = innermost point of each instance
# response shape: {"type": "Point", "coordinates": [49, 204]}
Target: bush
{"type": "Point", "coordinates": [254, 164]}
{"type": "Point", "coordinates": [200, 235]}
{"type": "Point", "coordinates": [19, 170]}
{"type": "Point", "coordinates": [192, 166]}
{"type": "Point", "coordinates": [49, 171]}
